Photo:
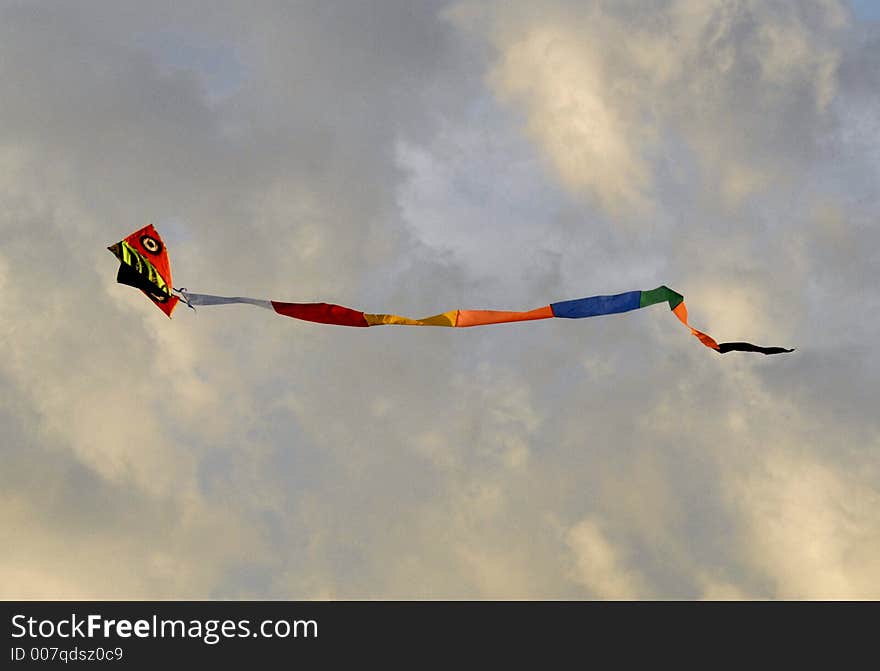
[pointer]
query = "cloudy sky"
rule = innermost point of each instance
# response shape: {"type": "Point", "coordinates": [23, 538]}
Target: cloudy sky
{"type": "Point", "coordinates": [414, 158]}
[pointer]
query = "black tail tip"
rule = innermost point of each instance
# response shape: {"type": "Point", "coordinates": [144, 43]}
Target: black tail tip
{"type": "Point", "coordinates": [725, 347]}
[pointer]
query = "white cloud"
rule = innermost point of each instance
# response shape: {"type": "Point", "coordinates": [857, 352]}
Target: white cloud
{"type": "Point", "coordinates": [811, 528]}
{"type": "Point", "coordinates": [607, 87]}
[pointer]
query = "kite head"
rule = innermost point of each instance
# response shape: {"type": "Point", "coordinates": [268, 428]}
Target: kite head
{"type": "Point", "coordinates": [143, 264]}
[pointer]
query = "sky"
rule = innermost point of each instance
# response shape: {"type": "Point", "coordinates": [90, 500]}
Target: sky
{"type": "Point", "coordinates": [414, 158]}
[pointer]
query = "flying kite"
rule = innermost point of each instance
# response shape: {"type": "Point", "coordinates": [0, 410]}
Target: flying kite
{"type": "Point", "coordinates": [144, 265]}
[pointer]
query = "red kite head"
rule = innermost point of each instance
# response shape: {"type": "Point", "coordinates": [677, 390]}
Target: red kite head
{"type": "Point", "coordinates": [144, 265]}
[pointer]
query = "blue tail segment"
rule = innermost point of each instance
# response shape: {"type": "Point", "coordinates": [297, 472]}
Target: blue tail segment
{"type": "Point", "coordinates": [597, 305]}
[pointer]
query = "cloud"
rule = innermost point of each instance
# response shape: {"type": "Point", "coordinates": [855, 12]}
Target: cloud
{"type": "Point", "coordinates": [811, 528]}
{"type": "Point", "coordinates": [598, 565]}
{"type": "Point", "coordinates": [607, 89]}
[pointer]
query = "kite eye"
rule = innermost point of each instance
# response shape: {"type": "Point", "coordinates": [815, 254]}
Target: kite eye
{"type": "Point", "coordinates": [151, 244]}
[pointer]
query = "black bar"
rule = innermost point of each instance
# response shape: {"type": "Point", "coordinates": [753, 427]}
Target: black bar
{"type": "Point", "coordinates": [422, 633]}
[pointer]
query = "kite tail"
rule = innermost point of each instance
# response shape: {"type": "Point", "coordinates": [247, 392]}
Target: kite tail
{"type": "Point", "coordinates": [593, 306]}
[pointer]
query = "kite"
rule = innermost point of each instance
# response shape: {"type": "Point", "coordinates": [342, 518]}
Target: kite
{"type": "Point", "coordinates": [144, 265]}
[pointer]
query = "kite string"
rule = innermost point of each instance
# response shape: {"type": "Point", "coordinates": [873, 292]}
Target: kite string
{"type": "Point", "coordinates": [184, 297]}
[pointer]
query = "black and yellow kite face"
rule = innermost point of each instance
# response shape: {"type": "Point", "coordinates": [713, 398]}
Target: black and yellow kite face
{"type": "Point", "coordinates": [144, 265]}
